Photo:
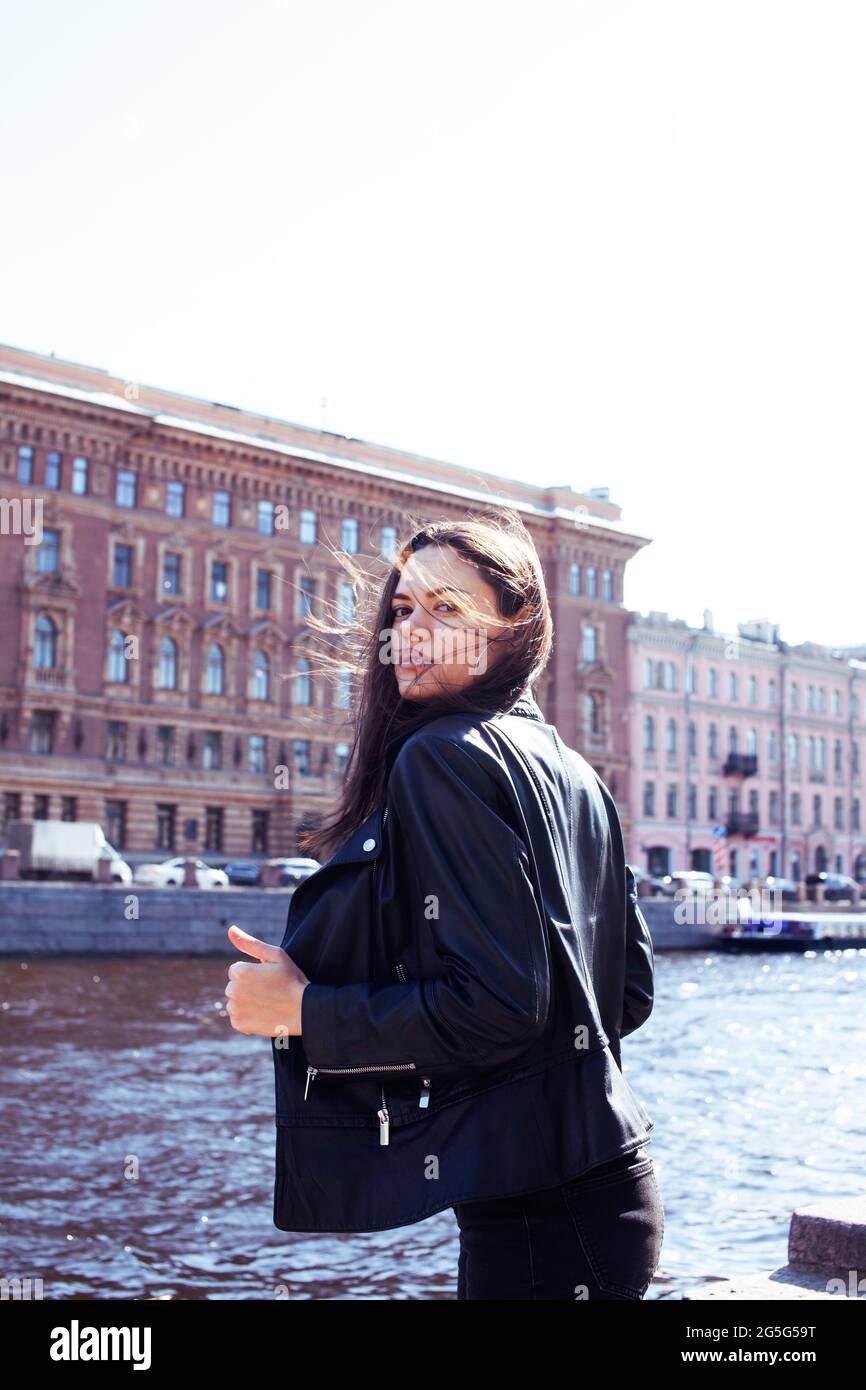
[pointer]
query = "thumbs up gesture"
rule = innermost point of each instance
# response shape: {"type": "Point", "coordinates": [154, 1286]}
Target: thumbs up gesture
{"type": "Point", "coordinates": [264, 998]}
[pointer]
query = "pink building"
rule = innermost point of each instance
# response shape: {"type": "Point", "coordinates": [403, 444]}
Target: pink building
{"type": "Point", "coordinates": [747, 733]}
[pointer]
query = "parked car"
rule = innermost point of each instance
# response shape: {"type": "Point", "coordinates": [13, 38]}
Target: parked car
{"type": "Point", "coordinates": [787, 887]}
{"type": "Point", "coordinates": [292, 871]}
{"type": "Point", "coordinates": [170, 873]}
{"type": "Point", "coordinates": [837, 887]}
{"type": "Point", "coordinates": [243, 871]}
{"type": "Point", "coordinates": [64, 849]}
{"type": "Point", "coordinates": [687, 881]}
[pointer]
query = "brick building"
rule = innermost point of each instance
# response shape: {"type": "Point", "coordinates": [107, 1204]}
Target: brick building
{"type": "Point", "coordinates": [156, 670]}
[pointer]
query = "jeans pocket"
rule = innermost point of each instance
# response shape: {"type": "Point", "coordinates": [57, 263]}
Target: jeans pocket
{"type": "Point", "coordinates": [619, 1220]}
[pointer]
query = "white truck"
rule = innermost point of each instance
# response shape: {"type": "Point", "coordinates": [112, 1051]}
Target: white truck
{"type": "Point", "coordinates": [64, 849]}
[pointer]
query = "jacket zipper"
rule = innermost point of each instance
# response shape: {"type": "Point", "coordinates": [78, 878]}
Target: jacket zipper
{"type": "Point", "coordinates": [384, 1118]}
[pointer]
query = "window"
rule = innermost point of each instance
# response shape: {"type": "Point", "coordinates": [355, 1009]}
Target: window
{"type": "Point", "coordinates": [301, 753]}
{"type": "Point", "coordinates": [692, 739]}
{"type": "Point", "coordinates": [168, 664]}
{"type": "Point", "coordinates": [344, 690]}
{"type": "Point", "coordinates": [174, 498]}
{"type": "Point", "coordinates": [41, 806]}
{"type": "Point", "coordinates": [48, 552]}
{"type": "Point", "coordinates": [774, 808]}
{"type": "Point", "coordinates": [713, 804]}
{"type": "Point", "coordinates": [822, 700]}
{"type": "Point", "coordinates": [306, 594]}
{"type": "Point", "coordinates": [118, 666]}
{"type": "Point", "coordinates": [590, 643]}
{"type": "Point", "coordinates": [170, 573]}
{"type": "Point", "coordinates": [713, 741]}
{"type": "Point", "coordinates": [647, 674]}
{"type": "Point", "coordinates": [124, 494]}
{"type": "Point", "coordinates": [45, 646]}
{"type": "Point", "coordinates": [265, 517]}
{"type": "Point", "coordinates": [772, 693]}
{"type": "Point", "coordinates": [165, 745]}
{"type": "Point", "coordinates": [222, 509]}
{"type": "Point", "coordinates": [115, 823]}
{"type": "Point", "coordinates": [772, 748]}
{"type": "Point", "coordinates": [752, 742]}
{"type": "Point", "coordinates": [574, 579]}
{"type": "Point", "coordinates": [25, 463]}
{"type": "Point", "coordinates": [165, 826]}
{"type": "Point", "coordinates": [669, 676]}
{"type": "Point", "coordinates": [671, 736]}
{"type": "Point", "coordinates": [692, 803]}
{"type": "Point", "coordinates": [753, 690]}
{"type": "Point", "coordinates": [592, 714]}
{"type": "Point", "coordinates": [308, 527]}
{"type": "Point", "coordinates": [816, 811]}
{"type": "Point", "coordinates": [712, 682]}
{"type": "Point", "coordinates": [219, 581]}
{"type": "Point", "coordinates": [11, 807]}
{"type": "Point", "coordinates": [79, 476]}
{"type": "Point", "coordinates": [388, 549]}
{"type": "Point", "coordinates": [649, 734]}
{"type": "Point", "coordinates": [261, 684]}
{"type": "Point", "coordinates": [732, 686]}
{"type": "Point", "coordinates": [855, 814]}
{"type": "Point", "coordinates": [115, 740]}
{"type": "Point", "coordinates": [733, 740]}
{"type": "Point", "coordinates": [263, 589]}
{"type": "Point", "coordinates": [838, 820]}
{"type": "Point", "coordinates": [259, 844]}
{"type": "Point", "coordinates": [649, 798]}
{"type": "Point", "coordinates": [691, 677]}
{"type": "Point", "coordinates": [341, 757]}
{"type": "Point", "coordinates": [42, 731]}
{"type": "Point", "coordinates": [349, 534]}
{"type": "Point", "coordinates": [122, 577]}
{"type": "Point", "coordinates": [837, 702]}
{"type": "Point", "coordinates": [257, 752]}
{"type": "Point", "coordinates": [52, 469]}
{"type": "Point", "coordinates": [213, 828]}
{"type": "Point", "coordinates": [346, 607]}
{"type": "Point", "coordinates": [795, 808]}
{"type": "Point", "coordinates": [607, 585]}
{"type": "Point", "coordinates": [795, 695]}
{"type": "Point", "coordinates": [216, 670]}
{"type": "Point", "coordinates": [303, 683]}
{"type": "Point", "coordinates": [810, 698]}
{"type": "Point", "coordinates": [212, 752]}
{"type": "Point", "coordinates": [793, 750]}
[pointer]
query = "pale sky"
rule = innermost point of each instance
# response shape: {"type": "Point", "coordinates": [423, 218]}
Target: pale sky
{"type": "Point", "coordinates": [597, 243]}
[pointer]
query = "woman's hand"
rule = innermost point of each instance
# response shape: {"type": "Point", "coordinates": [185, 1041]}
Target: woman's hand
{"type": "Point", "coordinates": [265, 998]}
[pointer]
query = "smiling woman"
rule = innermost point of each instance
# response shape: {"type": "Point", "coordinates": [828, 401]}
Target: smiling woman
{"type": "Point", "coordinates": [446, 1006]}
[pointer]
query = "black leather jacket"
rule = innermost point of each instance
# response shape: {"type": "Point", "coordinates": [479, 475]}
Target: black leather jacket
{"type": "Point", "coordinates": [476, 952]}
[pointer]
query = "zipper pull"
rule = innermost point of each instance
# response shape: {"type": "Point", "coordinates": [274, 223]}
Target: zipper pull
{"type": "Point", "coordinates": [425, 1093]}
{"type": "Point", "coordinates": [384, 1119]}
{"type": "Point", "coordinates": [311, 1072]}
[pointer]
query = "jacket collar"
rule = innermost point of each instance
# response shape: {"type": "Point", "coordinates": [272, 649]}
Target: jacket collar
{"type": "Point", "coordinates": [525, 705]}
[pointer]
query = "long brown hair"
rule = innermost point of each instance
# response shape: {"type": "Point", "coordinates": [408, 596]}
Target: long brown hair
{"type": "Point", "coordinates": [498, 543]}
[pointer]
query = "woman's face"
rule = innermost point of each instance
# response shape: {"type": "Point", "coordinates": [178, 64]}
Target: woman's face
{"type": "Point", "coordinates": [444, 619]}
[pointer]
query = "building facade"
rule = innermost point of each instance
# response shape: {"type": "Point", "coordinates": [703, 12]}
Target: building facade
{"type": "Point", "coordinates": [159, 557]}
{"type": "Point", "coordinates": [747, 734]}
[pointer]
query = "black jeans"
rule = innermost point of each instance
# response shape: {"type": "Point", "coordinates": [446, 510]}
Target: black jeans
{"type": "Point", "coordinates": [596, 1237]}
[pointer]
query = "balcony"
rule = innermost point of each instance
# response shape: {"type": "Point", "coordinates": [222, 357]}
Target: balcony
{"type": "Point", "coordinates": [740, 765]}
{"type": "Point", "coordinates": [742, 823]}
{"type": "Point", "coordinates": [49, 678]}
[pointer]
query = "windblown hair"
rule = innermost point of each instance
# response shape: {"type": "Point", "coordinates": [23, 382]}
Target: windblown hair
{"type": "Point", "coordinates": [499, 544]}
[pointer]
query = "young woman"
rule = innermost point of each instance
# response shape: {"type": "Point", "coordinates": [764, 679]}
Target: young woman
{"type": "Point", "coordinates": [447, 1004]}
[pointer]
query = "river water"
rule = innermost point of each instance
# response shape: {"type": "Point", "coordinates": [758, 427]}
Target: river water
{"type": "Point", "coordinates": [138, 1144]}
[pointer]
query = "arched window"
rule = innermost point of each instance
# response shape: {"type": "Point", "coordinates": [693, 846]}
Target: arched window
{"type": "Point", "coordinates": [590, 643]}
{"type": "Point", "coordinates": [649, 734]}
{"type": "Point", "coordinates": [118, 667]}
{"type": "Point", "coordinates": [168, 664]}
{"type": "Point", "coordinates": [591, 584]}
{"type": "Point", "coordinates": [671, 736]}
{"type": "Point", "coordinates": [261, 676]}
{"type": "Point", "coordinates": [216, 670]}
{"type": "Point", "coordinates": [574, 579]}
{"type": "Point", "coordinates": [344, 689]}
{"type": "Point", "coordinates": [45, 651]}
{"type": "Point", "coordinates": [752, 743]}
{"type": "Point", "coordinates": [732, 739]}
{"type": "Point", "coordinates": [303, 683]}
{"type": "Point", "coordinates": [713, 741]}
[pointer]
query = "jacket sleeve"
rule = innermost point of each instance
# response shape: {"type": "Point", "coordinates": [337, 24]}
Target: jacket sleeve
{"type": "Point", "coordinates": [639, 963]}
{"type": "Point", "coordinates": [468, 884]}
